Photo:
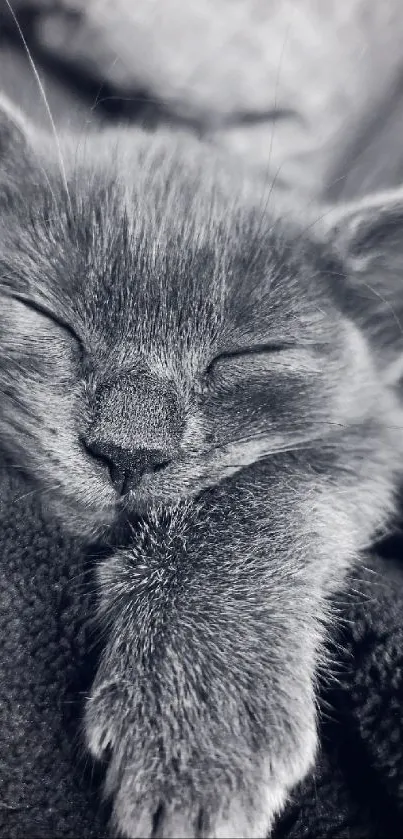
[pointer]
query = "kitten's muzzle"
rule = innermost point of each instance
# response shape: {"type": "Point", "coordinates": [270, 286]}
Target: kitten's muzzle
{"type": "Point", "coordinates": [127, 467]}
{"type": "Point", "coordinates": [136, 428]}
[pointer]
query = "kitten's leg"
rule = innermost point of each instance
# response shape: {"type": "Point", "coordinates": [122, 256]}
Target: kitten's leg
{"type": "Point", "coordinates": [204, 695]}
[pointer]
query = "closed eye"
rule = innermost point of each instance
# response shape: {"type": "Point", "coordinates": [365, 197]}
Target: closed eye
{"type": "Point", "coordinates": [259, 361]}
{"type": "Point", "coordinates": [43, 310]}
{"type": "Point", "coordinates": [254, 349]}
{"type": "Point", "coordinates": [245, 353]}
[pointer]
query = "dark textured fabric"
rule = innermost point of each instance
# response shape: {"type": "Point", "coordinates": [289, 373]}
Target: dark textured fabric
{"type": "Point", "coordinates": [356, 791]}
{"type": "Point", "coordinates": [48, 787]}
{"type": "Point", "coordinates": [45, 635]}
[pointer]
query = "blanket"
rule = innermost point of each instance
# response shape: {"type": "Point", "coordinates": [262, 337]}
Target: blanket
{"type": "Point", "coordinates": [48, 652]}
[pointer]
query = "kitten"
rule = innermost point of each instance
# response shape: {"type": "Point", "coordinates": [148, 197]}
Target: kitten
{"type": "Point", "coordinates": [176, 356]}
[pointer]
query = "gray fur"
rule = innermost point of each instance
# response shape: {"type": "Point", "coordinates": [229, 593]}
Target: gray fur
{"type": "Point", "coordinates": [148, 303]}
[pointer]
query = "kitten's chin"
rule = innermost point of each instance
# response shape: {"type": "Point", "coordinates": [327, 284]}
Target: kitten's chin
{"type": "Point", "coordinates": [86, 522]}
{"type": "Point", "coordinates": [97, 522]}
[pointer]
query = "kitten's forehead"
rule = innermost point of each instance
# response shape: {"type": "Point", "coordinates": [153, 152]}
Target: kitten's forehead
{"type": "Point", "coordinates": [153, 249]}
{"type": "Point", "coordinates": [178, 273]}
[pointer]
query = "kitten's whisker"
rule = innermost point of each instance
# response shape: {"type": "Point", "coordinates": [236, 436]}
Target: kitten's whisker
{"type": "Point", "coordinates": [273, 180]}
{"type": "Point", "coordinates": [7, 466]}
{"type": "Point", "coordinates": [97, 100]}
{"type": "Point", "coordinates": [387, 304]}
{"type": "Point", "coordinates": [317, 219]}
{"type": "Point", "coordinates": [153, 100]}
{"type": "Point", "coordinates": [17, 125]}
{"type": "Point", "coordinates": [275, 108]}
{"type": "Point", "coordinates": [44, 99]}
{"type": "Point", "coordinates": [37, 491]}
{"type": "Point", "coordinates": [319, 202]}
{"type": "Point", "coordinates": [266, 434]}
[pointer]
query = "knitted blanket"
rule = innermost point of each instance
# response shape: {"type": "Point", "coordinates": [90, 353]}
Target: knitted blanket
{"type": "Point", "coordinates": [48, 785]}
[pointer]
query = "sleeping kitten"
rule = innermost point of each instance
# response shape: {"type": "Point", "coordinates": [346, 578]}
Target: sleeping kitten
{"type": "Point", "coordinates": [174, 356]}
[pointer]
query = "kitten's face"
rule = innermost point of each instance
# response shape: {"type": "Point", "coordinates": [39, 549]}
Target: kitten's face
{"type": "Point", "coordinates": [155, 338]}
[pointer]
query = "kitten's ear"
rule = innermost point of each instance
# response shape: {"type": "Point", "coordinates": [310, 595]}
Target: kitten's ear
{"type": "Point", "coordinates": [368, 237]}
{"type": "Point", "coordinates": [15, 136]}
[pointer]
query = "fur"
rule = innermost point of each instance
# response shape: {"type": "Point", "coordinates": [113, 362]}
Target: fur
{"type": "Point", "coordinates": [163, 330]}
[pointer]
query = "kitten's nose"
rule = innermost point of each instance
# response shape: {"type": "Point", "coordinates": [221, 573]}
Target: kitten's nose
{"type": "Point", "coordinates": [127, 467]}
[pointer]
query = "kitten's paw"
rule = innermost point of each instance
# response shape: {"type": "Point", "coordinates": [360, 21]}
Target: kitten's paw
{"type": "Point", "coordinates": [248, 815]}
{"type": "Point", "coordinates": [161, 787]}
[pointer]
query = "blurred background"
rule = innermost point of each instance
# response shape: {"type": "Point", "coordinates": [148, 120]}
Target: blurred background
{"type": "Point", "coordinates": [306, 92]}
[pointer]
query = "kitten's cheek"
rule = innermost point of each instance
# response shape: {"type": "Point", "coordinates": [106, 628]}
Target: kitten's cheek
{"type": "Point", "coordinates": [79, 513]}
